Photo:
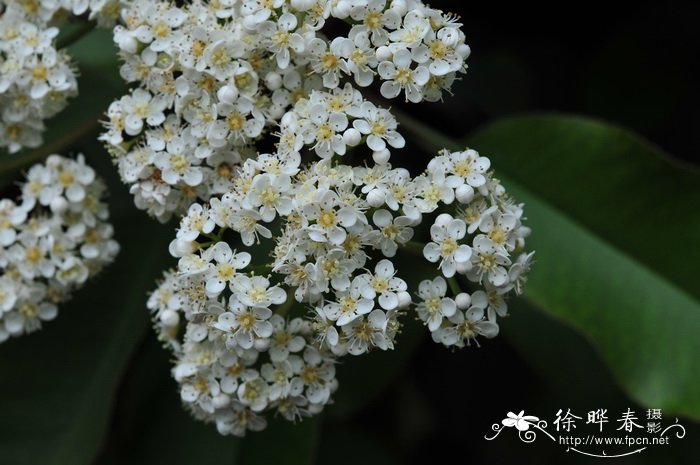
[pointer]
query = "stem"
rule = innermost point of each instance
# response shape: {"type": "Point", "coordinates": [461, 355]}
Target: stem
{"type": "Point", "coordinates": [75, 34]}
{"type": "Point", "coordinates": [425, 136]}
{"type": "Point", "coordinates": [55, 146]}
{"type": "Point", "coordinates": [454, 285]}
{"type": "Point", "coordinates": [413, 247]}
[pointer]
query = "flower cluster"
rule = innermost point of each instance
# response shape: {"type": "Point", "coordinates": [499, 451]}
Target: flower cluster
{"type": "Point", "coordinates": [51, 242]}
{"type": "Point", "coordinates": [215, 77]}
{"type": "Point", "coordinates": [251, 334]}
{"type": "Point", "coordinates": [36, 79]}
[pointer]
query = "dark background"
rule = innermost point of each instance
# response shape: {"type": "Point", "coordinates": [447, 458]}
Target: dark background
{"type": "Point", "coordinates": [631, 64]}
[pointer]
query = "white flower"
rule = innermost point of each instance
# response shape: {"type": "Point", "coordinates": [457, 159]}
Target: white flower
{"type": "Point", "coordinates": [379, 125]}
{"type": "Point", "coordinates": [399, 76]}
{"type": "Point", "coordinates": [253, 391]}
{"type": "Point", "coordinates": [489, 261]}
{"type": "Point", "coordinates": [446, 247]}
{"type": "Point", "coordinates": [349, 306]}
{"type": "Point", "coordinates": [383, 283]}
{"type": "Point", "coordinates": [466, 326]}
{"type": "Point", "coordinates": [327, 60]}
{"type": "Point", "coordinates": [435, 305]}
{"type": "Point", "coordinates": [280, 39]}
{"type": "Point", "coordinates": [141, 106]}
{"type": "Point", "coordinates": [364, 333]}
{"type": "Point", "coordinates": [324, 130]}
{"type": "Point", "coordinates": [226, 268]}
{"type": "Point", "coordinates": [256, 291]}
{"type": "Point", "coordinates": [285, 338]}
{"type": "Point", "coordinates": [392, 232]}
{"type": "Point", "coordinates": [470, 166]}
{"type": "Point", "coordinates": [244, 323]}
{"type": "Point", "coordinates": [269, 193]}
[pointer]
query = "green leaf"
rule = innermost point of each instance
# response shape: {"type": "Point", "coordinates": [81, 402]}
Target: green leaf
{"type": "Point", "coordinates": [57, 385]}
{"type": "Point", "coordinates": [613, 230]}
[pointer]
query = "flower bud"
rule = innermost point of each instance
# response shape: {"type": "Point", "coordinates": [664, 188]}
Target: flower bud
{"type": "Point", "coordinates": [53, 161]}
{"type": "Point", "coordinates": [352, 137]}
{"type": "Point", "coordinates": [58, 205]}
{"type": "Point", "coordinates": [464, 51]}
{"type": "Point", "coordinates": [463, 301]}
{"type": "Point", "coordinates": [227, 94]}
{"type": "Point", "coordinates": [261, 345]}
{"type": "Point", "coordinates": [221, 400]}
{"type": "Point", "coordinates": [375, 198]}
{"type": "Point", "coordinates": [178, 248]}
{"type": "Point", "coordinates": [273, 80]}
{"type": "Point", "coordinates": [464, 193]}
{"type": "Point", "coordinates": [169, 318]}
{"type": "Point", "coordinates": [303, 5]}
{"type": "Point", "coordinates": [384, 53]}
{"type": "Point", "coordinates": [342, 9]}
{"type": "Point", "coordinates": [381, 157]}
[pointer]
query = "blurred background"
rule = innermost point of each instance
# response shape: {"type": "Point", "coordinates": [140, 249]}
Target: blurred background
{"type": "Point", "coordinates": [631, 64]}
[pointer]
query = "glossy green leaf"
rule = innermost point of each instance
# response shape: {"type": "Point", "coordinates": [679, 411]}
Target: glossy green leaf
{"type": "Point", "coordinates": [614, 235]}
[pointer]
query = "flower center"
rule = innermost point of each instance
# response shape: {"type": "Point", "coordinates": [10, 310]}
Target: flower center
{"type": "Point", "coordinates": [268, 196]}
{"type": "Point", "coordinates": [448, 247]}
{"type": "Point", "coordinates": [373, 20]}
{"type": "Point", "coordinates": [246, 321]}
{"type": "Point", "coordinates": [379, 128]}
{"type": "Point", "coordinates": [257, 294]}
{"type": "Point", "coordinates": [40, 73]}
{"type": "Point", "coordinates": [235, 121]}
{"type": "Point", "coordinates": [403, 76]}
{"type": "Point", "coordinates": [226, 271]}
{"type": "Point", "coordinates": [329, 61]}
{"type": "Point", "coordinates": [487, 261]}
{"type": "Point", "coordinates": [33, 254]}
{"type": "Point", "coordinates": [66, 178]}
{"type": "Point", "coordinates": [380, 284]}
{"type": "Point", "coordinates": [179, 163]}
{"type": "Point", "coordinates": [327, 219]}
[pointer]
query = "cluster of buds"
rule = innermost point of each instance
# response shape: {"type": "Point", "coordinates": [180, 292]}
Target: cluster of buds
{"type": "Point", "coordinates": [51, 242]}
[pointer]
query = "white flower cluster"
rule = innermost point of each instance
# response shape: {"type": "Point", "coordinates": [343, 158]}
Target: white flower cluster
{"type": "Point", "coordinates": [216, 77]}
{"type": "Point", "coordinates": [36, 79]}
{"type": "Point", "coordinates": [51, 242]}
{"type": "Point", "coordinates": [252, 334]}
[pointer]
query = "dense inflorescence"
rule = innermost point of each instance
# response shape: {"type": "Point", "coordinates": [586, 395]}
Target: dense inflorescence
{"type": "Point", "coordinates": [37, 78]}
{"type": "Point", "coordinates": [51, 242]}
{"type": "Point", "coordinates": [252, 333]}
{"type": "Point", "coordinates": [215, 78]}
